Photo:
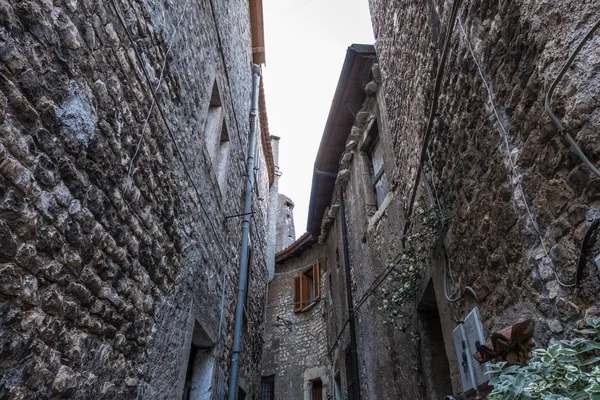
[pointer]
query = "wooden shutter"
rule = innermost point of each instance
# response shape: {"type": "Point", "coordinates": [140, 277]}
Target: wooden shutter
{"type": "Point", "coordinates": [350, 376]}
{"type": "Point", "coordinates": [297, 294]}
{"type": "Point", "coordinates": [317, 279]}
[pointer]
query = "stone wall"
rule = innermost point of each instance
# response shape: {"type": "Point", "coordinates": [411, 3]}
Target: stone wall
{"type": "Point", "coordinates": [512, 188]}
{"type": "Point", "coordinates": [112, 222]}
{"type": "Point", "coordinates": [286, 233]}
{"type": "Point", "coordinates": [388, 358]}
{"type": "Point", "coordinates": [296, 348]}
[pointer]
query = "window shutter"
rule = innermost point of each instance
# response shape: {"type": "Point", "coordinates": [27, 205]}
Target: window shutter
{"type": "Point", "coordinates": [297, 294]}
{"type": "Point", "coordinates": [317, 279]}
{"type": "Point", "coordinates": [350, 377]}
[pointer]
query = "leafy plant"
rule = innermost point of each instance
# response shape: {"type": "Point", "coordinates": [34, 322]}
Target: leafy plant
{"type": "Point", "coordinates": [569, 369]}
{"type": "Point", "coordinates": [406, 276]}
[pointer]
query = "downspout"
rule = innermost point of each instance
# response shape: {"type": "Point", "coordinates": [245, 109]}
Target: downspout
{"type": "Point", "coordinates": [239, 307]}
{"type": "Point", "coordinates": [350, 301]}
{"type": "Point", "coordinates": [272, 213]}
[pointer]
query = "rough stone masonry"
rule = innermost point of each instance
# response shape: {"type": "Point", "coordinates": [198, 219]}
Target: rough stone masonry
{"type": "Point", "coordinates": [114, 246]}
{"type": "Point", "coordinates": [517, 199]}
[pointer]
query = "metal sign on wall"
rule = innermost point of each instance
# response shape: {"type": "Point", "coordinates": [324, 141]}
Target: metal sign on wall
{"type": "Point", "coordinates": [468, 336]}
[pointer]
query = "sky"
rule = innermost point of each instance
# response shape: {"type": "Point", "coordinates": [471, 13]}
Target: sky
{"type": "Point", "coordinates": [305, 44]}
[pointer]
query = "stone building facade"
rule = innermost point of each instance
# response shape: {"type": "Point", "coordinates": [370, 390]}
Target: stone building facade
{"type": "Point", "coordinates": [123, 143]}
{"type": "Point", "coordinates": [450, 116]}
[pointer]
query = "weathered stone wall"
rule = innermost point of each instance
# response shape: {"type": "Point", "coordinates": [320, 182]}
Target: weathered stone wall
{"type": "Point", "coordinates": [107, 258]}
{"type": "Point", "coordinates": [509, 183]}
{"type": "Point", "coordinates": [286, 233]}
{"type": "Point", "coordinates": [296, 348]}
{"type": "Point", "coordinates": [387, 357]}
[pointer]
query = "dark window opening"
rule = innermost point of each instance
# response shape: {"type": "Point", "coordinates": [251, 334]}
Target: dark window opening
{"type": "Point", "coordinates": [380, 184]}
{"type": "Point", "coordinates": [434, 362]}
{"type": "Point", "coordinates": [200, 366]}
{"type": "Point", "coordinates": [316, 391]}
{"type": "Point", "coordinates": [338, 387]}
{"type": "Point", "coordinates": [257, 164]}
{"type": "Point", "coordinates": [189, 373]}
{"type": "Point", "coordinates": [267, 388]}
{"type": "Point", "coordinates": [216, 136]}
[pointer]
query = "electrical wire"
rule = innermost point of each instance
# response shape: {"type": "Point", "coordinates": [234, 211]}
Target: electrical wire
{"type": "Point", "coordinates": [548, 99]}
{"type": "Point", "coordinates": [162, 72]}
{"type": "Point", "coordinates": [220, 43]}
{"type": "Point", "coordinates": [516, 181]}
{"type": "Point", "coordinates": [158, 106]}
{"type": "Point", "coordinates": [433, 111]}
{"type": "Point", "coordinates": [376, 283]}
{"type": "Point", "coordinates": [305, 267]}
{"type": "Point", "coordinates": [447, 268]}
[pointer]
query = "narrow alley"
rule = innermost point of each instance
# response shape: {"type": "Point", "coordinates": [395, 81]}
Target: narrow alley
{"type": "Point", "coordinates": [451, 249]}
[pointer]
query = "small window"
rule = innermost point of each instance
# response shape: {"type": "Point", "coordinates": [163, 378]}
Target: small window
{"type": "Point", "coordinates": [338, 386]}
{"type": "Point", "coordinates": [307, 287]}
{"type": "Point", "coordinates": [380, 184]}
{"type": "Point", "coordinates": [267, 388]}
{"type": "Point", "coordinates": [216, 136]}
{"type": "Point", "coordinates": [257, 166]}
{"type": "Point", "coordinates": [200, 366]}
{"type": "Point", "coordinates": [249, 276]}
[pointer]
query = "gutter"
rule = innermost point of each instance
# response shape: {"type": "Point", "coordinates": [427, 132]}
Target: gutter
{"type": "Point", "coordinates": [350, 300]}
{"type": "Point", "coordinates": [239, 306]}
{"type": "Point", "coordinates": [351, 53]}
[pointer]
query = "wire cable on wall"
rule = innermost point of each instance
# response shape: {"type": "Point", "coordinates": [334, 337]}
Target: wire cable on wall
{"type": "Point", "coordinates": [158, 106]}
{"type": "Point", "coordinates": [515, 181]}
{"type": "Point", "coordinates": [160, 78]}
{"type": "Point", "coordinates": [548, 106]}
{"type": "Point", "coordinates": [436, 94]}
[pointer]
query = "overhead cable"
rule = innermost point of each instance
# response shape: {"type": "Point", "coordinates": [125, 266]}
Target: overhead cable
{"type": "Point", "coordinates": [158, 106]}
{"type": "Point", "coordinates": [548, 99]}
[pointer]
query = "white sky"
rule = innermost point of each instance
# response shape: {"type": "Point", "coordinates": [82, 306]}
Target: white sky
{"type": "Point", "coordinates": [306, 42]}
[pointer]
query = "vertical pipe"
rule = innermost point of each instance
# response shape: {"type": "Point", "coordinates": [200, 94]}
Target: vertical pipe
{"type": "Point", "coordinates": [349, 295]}
{"type": "Point", "coordinates": [239, 307]}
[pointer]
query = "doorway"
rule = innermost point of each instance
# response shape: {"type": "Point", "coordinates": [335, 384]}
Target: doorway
{"type": "Point", "coordinates": [316, 392]}
{"type": "Point", "coordinates": [434, 361]}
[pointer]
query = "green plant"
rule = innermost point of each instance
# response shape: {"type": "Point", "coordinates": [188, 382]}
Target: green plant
{"type": "Point", "coordinates": [403, 282]}
{"type": "Point", "coordinates": [569, 369]}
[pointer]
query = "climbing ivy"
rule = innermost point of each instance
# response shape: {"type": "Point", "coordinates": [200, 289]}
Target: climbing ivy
{"type": "Point", "coordinates": [567, 370]}
{"type": "Point", "coordinates": [403, 281]}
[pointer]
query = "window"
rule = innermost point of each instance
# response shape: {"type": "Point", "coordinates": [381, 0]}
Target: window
{"type": "Point", "coordinates": [241, 394]}
{"type": "Point", "coordinates": [257, 165]}
{"type": "Point", "coordinates": [200, 366]}
{"type": "Point", "coordinates": [267, 388]}
{"type": "Point", "coordinates": [307, 287]}
{"type": "Point", "coordinates": [338, 386]}
{"type": "Point", "coordinates": [380, 184]}
{"type": "Point", "coordinates": [217, 136]}
{"type": "Point", "coordinates": [351, 381]}
{"type": "Point", "coordinates": [249, 275]}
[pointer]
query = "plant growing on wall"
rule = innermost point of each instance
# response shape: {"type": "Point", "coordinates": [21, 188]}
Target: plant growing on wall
{"type": "Point", "coordinates": [569, 369]}
{"type": "Point", "coordinates": [430, 224]}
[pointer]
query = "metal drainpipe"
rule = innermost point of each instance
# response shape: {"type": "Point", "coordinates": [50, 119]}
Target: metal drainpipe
{"type": "Point", "coordinates": [239, 307]}
{"type": "Point", "coordinates": [349, 295]}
